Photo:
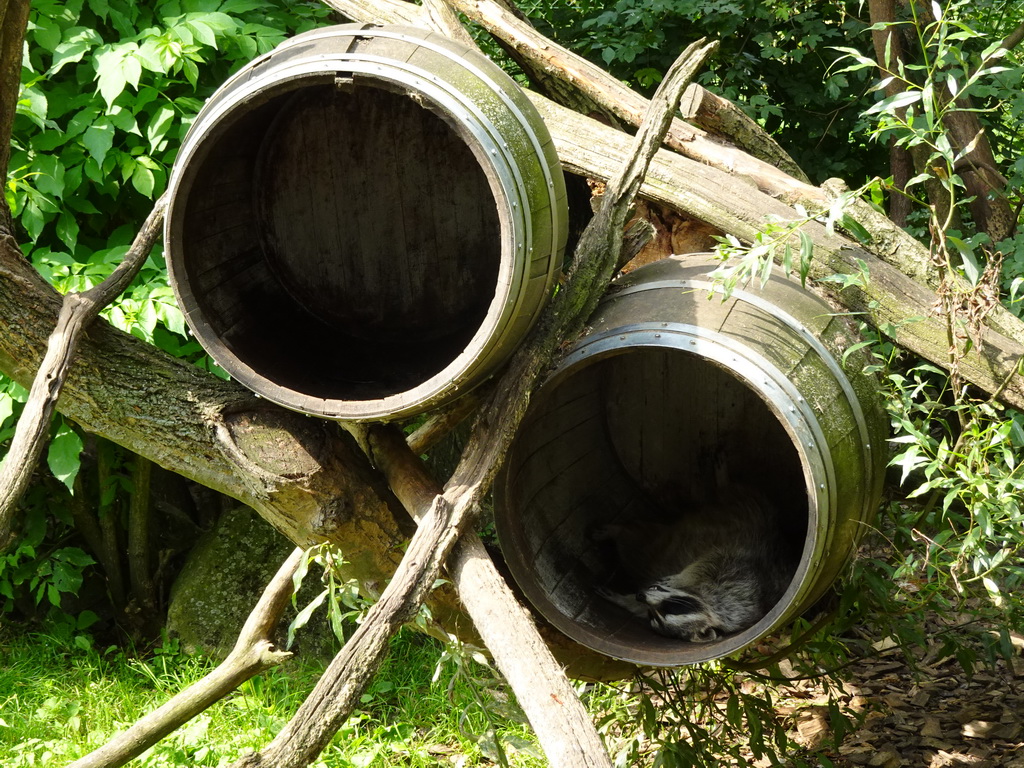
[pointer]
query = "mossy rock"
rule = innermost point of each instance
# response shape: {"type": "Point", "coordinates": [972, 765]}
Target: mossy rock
{"type": "Point", "coordinates": [224, 576]}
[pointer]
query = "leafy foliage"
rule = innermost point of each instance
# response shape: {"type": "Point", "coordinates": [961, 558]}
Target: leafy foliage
{"type": "Point", "coordinates": [42, 569]}
{"type": "Point", "coordinates": [786, 244]}
{"type": "Point", "coordinates": [109, 90]}
{"type": "Point", "coordinates": [344, 603]}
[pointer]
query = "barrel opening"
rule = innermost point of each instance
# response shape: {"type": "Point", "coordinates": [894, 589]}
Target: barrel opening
{"type": "Point", "coordinates": [343, 238]}
{"type": "Point", "coordinates": [637, 434]}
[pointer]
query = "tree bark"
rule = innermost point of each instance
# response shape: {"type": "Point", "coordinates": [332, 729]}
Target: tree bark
{"type": "Point", "coordinates": [720, 117]}
{"type": "Point", "coordinates": [254, 652]}
{"type": "Point", "coordinates": [888, 50]}
{"type": "Point", "coordinates": [140, 567]}
{"type": "Point", "coordinates": [77, 312]}
{"type": "Point", "coordinates": [13, 23]}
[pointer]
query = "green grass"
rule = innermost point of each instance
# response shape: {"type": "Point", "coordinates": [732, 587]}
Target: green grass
{"type": "Point", "coordinates": [58, 701]}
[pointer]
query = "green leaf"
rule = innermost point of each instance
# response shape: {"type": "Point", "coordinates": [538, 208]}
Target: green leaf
{"type": "Point", "coordinates": [115, 68]}
{"type": "Point", "coordinates": [123, 120]}
{"type": "Point", "coordinates": [859, 345]}
{"type": "Point", "coordinates": [159, 125]}
{"type": "Point", "coordinates": [855, 228]}
{"type": "Point", "coordinates": [972, 269]}
{"type": "Point", "coordinates": [66, 577]}
{"type": "Point", "coordinates": [47, 34]}
{"type": "Point", "coordinates": [32, 219]}
{"type": "Point", "coordinates": [147, 319]}
{"type": "Point", "coordinates": [67, 230]}
{"type": "Point", "coordinates": [82, 120]}
{"type": "Point", "coordinates": [218, 22]}
{"type": "Point", "coordinates": [806, 254]}
{"type": "Point", "coordinates": [143, 180]}
{"type": "Point", "coordinates": [98, 139]}
{"type": "Point", "coordinates": [893, 103]}
{"type": "Point", "coordinates": [64, 455]}
{"type": "Point", "coordinates": [75, 556]}
{"type": "Point", "coordinates": [191, 72]}
{"type": "Point", "coordinates": [131, 68]}
{"type": "Point", "coordinates": [202, 32]}
{"type": "Point", "coordinates": [172, 318]}
{"type": "Point", "coordinates": [77, 42]}
{"type": "Point", "coordinates": [32, 103]}
{"type": "Point", "coordinates": [6, 407]}
{"type": "Point", "coordinates": [100, 7]}
{"type": "Point", "coordinates": [302, 618]}
{"type": "Point", "coordinates": [50, 178]}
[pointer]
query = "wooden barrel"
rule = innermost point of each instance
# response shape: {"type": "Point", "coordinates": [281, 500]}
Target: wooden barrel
{"type": "Point", "coordinates": [670, 392]}
{"type": "Point", "coordinates": [365, 221]}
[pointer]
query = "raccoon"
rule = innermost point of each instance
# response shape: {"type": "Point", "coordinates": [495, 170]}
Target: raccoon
{"type": "Point", "coordinates": [716, 570]}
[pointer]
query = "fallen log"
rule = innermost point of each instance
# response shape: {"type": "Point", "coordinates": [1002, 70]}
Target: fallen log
{"type": "Point", "coordinates": [77, 312]}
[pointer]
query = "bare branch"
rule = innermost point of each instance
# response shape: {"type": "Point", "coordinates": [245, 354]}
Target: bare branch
{"type": "Point", "coordinates": [77, 312]}
{"type": "Point", "coordinates": [623, 102]}
{"type": "Point", "coordinates": [253, 653]}
{"type": "Point", "coordinates": [380, 11]}
{"type": "Point", "coordinates": [441, 17]}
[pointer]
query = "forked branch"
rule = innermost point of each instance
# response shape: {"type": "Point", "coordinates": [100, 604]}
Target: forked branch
{"type": "Point", "coordinates": [254, 652]}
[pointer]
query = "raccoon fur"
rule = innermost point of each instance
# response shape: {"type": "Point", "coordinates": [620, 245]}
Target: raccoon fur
{"type": "Point", "coordinates": [715, 570]}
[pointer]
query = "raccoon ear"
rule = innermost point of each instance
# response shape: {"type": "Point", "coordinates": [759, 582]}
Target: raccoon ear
{"type": "Point", "coordinates": [706, 635]}
{"type": "Point", "coordinates": [680, 604]}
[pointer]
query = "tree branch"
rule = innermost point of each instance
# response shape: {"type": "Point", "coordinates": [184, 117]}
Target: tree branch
{"type": "Point", "coordinates": [623, 102]}
{"type": "Point", "coordinates": [720, 117]}
{"type": "Point", "coordinates": [440, 16]}
{"type": "Point", "coordinates": [1013, 39]}
{"type": "Point", "coordinates": [13, 23]}
{"type": "Point", "coordinates": [77, 312]}
{"type": "Point", "coordinates": [560, 721]}
{"type": "Point", "coordinates": [890, 300]}
{"type": "Point", "coordinates": [140, 569]}
{"type": "Point", "coordinates": [253, 653]}
{"type": "Point", "coordinates": [337, 692]}
{"type": "Point", "coordinates": [380, 11]}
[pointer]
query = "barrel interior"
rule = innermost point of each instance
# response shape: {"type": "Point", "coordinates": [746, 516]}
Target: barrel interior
{"type": "Point", "coordinates": [642, 427]}
{"type": "Point", "coordinates": [343, 241]}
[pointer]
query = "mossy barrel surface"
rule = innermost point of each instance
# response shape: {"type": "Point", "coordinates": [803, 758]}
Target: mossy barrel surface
{"type": "Point", "coordinates": [365, 221]}
{"type": "Point", "coordinates": [668, 388]}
